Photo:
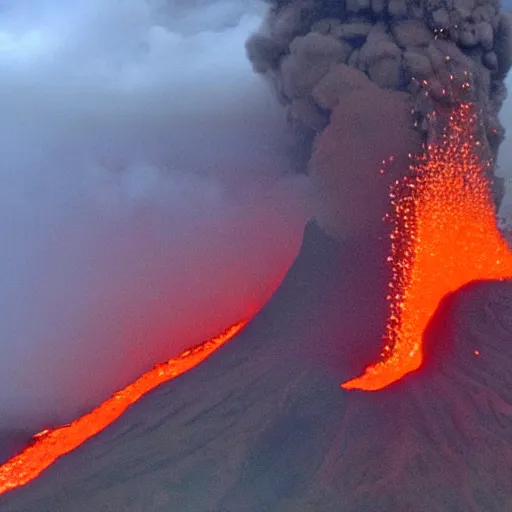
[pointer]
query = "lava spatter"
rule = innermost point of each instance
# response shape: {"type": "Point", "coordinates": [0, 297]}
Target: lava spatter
{"type": "Point", "coordinates": [444, 236]}
{"type": "Point", "coordinates": [49, 445]}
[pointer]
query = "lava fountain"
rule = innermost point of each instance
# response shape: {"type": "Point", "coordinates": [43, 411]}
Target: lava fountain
{"type": "Point", "coordinates": [49, 445]}
{"type": "Point", "coordinates": [444, 236]}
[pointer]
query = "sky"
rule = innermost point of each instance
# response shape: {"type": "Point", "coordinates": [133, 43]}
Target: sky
{"type": "Point", "coordinates": [505, 154]}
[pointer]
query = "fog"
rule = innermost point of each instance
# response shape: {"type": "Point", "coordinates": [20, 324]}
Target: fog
{"type": "Point", "coordinates": [147, 195]}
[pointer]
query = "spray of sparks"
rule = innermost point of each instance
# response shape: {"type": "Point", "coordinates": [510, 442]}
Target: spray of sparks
{"type": "Point", "coordinates": [49, 445]}
{"type": "Point", "coordinates": [444, 236]}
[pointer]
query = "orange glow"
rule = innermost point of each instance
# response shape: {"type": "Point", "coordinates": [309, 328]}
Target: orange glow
{"type": "Point", "coordinates": [49, 445]}
{"type": "Point", "coordinates": [445, 235]}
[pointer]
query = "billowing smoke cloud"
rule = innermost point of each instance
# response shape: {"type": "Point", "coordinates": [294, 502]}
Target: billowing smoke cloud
{"type": "Point", "coordinates": [147, 200]}
{"type": "Point", "coordinates": [349, 72]}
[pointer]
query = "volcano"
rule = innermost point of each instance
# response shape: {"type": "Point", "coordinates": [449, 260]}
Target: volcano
{"type": "Point", "coordinates": [274, 413]}
{"type": "Point", "coordinates": [262, 425]}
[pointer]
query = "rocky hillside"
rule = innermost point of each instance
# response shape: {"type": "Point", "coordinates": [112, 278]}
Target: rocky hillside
{"type": "Point", "coordinates": [264, 426]}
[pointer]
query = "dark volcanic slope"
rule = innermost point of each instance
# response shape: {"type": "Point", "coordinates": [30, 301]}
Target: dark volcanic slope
{"type": "Point", "coordinates": [263, 425]}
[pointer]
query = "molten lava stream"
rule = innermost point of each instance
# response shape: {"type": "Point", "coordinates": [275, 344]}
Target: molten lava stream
{"type": "Point", "coordinates": [445, 235]}
{"type": "Point", "coordinates": [49, 445]}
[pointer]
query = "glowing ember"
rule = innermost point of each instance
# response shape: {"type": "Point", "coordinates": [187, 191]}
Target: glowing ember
{"type": "Point", "coordinates": [445, 235]}
{"type": "Point", "coordinates": [49, 445]}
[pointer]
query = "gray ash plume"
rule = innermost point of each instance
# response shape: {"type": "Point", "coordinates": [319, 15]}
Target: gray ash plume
{"type": "Point", "coordinates": [318, 52]}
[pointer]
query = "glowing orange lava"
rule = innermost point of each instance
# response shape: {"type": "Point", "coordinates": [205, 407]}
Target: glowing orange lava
{"type": "Point", "coordinates": [49, 445]}
{"type": "Point", "coordinates": [445, 235]}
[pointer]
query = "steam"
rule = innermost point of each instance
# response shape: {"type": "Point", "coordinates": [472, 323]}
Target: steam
{"type": "Point", "coordinates": [338, 67]}
{"type": "Point", "coordinates": [146, 193]}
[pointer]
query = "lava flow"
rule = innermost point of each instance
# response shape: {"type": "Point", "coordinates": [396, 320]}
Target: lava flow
{"type": "Point", "coordinates": [49, 445]}
{"type": "Point", "coordinates": [444, 235]}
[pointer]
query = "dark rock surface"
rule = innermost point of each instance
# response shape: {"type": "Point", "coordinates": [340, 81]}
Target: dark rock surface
{"type": "Point", "coordinates": [264, 426]}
